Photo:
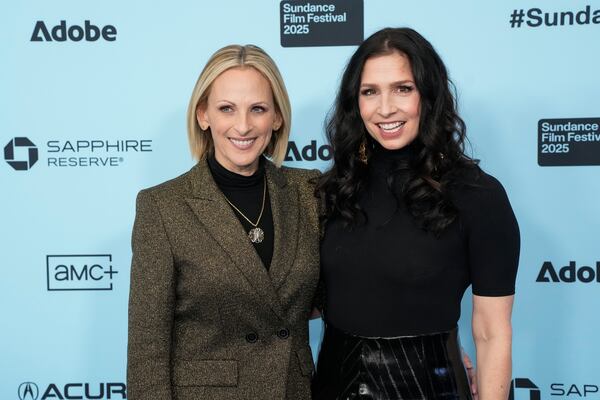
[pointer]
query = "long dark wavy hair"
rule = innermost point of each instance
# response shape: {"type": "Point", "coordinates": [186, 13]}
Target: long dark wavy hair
{"type": "Point", "coordinates": [437, 153]}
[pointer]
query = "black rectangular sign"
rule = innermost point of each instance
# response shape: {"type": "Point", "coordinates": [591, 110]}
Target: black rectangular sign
{"type": "Point", "coordinates": [321, 23]}
{"type": "Point", "coordinates": [569, 141]}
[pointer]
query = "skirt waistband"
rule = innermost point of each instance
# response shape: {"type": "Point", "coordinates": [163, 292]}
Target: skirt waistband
{"type": "Point", "coordinates": [451, 333]}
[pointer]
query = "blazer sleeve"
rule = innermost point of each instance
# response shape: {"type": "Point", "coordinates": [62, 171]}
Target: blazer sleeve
{"type": "Point", "coordinates": [151, 305]}
{"type": "Point", "coordinates": [320, 295]}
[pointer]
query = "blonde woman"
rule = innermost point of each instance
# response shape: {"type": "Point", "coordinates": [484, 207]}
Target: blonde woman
{"type": "Point", "coordinates": [225, 257]}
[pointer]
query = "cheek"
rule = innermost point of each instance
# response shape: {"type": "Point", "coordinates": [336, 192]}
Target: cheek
{"type": "Point", "coordinates": [215, 134]}
{"type": "Point", "coordinates": [218, 130]}
{"type": "Point", "coordinates": [268, 136]}
{"type": "Point", "coordinates": [416, 108]}
{"type": "Point", "coordinates": [265, 125]}
{"type": "Point", "coordinates": [416, 113]}
{"type": "Point", "coordinates": [363, 108]}
{"type": "Point", "coordinates": [216, 123]}
{"type": "Point", "coordinates": [417, 120]}
{"type": "Point", "coordinates": [216, 139]}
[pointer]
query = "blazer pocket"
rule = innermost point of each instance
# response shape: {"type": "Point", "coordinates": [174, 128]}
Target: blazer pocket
{"type": "Point", "coordinates": [307, 366]}
{"type": "Point", "coordinates": [205, 373]}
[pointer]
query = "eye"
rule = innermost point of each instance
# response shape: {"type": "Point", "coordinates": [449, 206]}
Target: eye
{"type": "Point", "coordinates": [259, 109]}
{"type": "Point", "coordinates": [226, 109]}
{"type": "Point", "coordinates": [367, 92]}
{"type": "Point", "coordinates": [405, 88]}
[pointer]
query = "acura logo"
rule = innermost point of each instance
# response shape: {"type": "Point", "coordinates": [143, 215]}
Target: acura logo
{"type": "Point", "coordinates": [28, 391]}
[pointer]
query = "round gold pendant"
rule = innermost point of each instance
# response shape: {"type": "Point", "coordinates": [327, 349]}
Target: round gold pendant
{"type": "Point", "coordinates": [256, 235]}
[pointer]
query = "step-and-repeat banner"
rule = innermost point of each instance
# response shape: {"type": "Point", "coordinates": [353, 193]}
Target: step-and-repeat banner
{"type": "Point", "coordinates": [93, 102]}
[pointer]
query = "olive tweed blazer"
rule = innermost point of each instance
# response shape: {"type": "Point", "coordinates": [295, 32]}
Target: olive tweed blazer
{"type": "Point", "coordinates": [207, 320]}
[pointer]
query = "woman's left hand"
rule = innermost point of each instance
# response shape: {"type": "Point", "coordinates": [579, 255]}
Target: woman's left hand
{"type": "Point", "coordinates": [471, 374]}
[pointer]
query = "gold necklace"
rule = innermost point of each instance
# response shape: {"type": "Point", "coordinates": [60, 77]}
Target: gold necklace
{"type": "Point", "coordinates": [256, 235]}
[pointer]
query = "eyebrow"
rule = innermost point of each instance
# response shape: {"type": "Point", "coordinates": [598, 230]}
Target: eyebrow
{"type": "Point", "coordinates": [390, 84]}
{"type": "Point", "coordinates": [258, 103]}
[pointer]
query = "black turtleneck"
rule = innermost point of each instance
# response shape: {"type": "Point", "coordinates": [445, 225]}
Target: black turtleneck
{"type": "Point", "coordinates": [388, 277]}
{"type": "Point", "coordinates": [246, 193]}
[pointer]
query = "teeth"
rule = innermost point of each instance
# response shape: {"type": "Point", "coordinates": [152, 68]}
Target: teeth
{"type": "Point", "coordinates": [391, 125]}
{"type": "Point", "coordinates": [242, 143]}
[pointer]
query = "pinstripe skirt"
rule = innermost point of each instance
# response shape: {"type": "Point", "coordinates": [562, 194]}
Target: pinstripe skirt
{"type": "Point", "coordinates": [407, 367]}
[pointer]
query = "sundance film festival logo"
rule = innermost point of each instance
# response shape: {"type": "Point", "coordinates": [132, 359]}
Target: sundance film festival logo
{"type": "Point", "coordinates": [79, 272]}
{"type": "Point", "coordinates": [569, 141]}
{"type": "Point", "coordinates": [306, 23]}
{"type": "Point", "coordinates": [75, 33]}
{"type": "Point", "coordinates": [20, 153]}
{"type": "Point", "coordinates": [74, 391]}
{"type": "Point", "coordinates": [28, 391]}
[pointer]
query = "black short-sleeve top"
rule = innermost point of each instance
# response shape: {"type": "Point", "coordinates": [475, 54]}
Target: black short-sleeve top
{"type": "Point", "coordinates": [389, 277]}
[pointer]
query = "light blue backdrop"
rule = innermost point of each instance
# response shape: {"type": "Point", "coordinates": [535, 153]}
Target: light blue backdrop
{"type": "Point", "coordinates": [137, 87]}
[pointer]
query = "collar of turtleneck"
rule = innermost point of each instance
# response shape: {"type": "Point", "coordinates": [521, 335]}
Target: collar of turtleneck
{"type": "Point", "coordinates": [226, 179]}
{"type": "Point", "coordinates": [383, 159]}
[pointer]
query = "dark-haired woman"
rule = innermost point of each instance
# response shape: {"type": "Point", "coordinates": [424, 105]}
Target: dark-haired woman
{"type": "Point", "coordinates": [409, 223]}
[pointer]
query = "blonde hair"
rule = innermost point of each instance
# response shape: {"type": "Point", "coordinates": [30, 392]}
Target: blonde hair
{"type": "Point", "coordinates": [236, 56]}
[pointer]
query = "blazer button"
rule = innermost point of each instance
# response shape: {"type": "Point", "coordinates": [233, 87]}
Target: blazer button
{"type": "Point", "coordinates": [283, 333]}
{"type": "Point", "coordinates": [252, 337]}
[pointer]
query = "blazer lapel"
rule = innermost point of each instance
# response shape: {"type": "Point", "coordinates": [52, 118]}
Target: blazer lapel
{"type": "Point", "coordinates": [285, 209]}
{"type": "Point", "coordinates": [211, 208]}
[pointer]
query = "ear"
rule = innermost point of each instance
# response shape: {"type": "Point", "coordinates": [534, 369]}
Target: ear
{"type": "Point", "coordinates": [277, 122]}
{"type": "Point", "coordinates": [202, 117]}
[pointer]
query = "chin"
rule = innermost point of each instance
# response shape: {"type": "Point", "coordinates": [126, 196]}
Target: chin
{"type": "Point", "coordinates": [392, 144]}
{"type": "Point", "coordinates": [245, 162]}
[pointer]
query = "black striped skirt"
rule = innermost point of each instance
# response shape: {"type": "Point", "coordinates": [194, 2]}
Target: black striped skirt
{"type": "Point", "coordinates": [408, 367]}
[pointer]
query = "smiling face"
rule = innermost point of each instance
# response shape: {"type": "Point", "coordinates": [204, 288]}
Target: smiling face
{"type": "Point", "coordinates": [241, 115]}
{"type": "Point", "coordinates": [389, 101]}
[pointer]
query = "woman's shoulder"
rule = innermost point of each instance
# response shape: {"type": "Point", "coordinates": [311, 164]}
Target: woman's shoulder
{"type": "Point", "coordinates": [475, 190]}
{"type": "Point", "coordinates": [475, 181]}
{"type": "Point", "coordinates": [304, 181]}
{"type": "Point", "coordinates": [300, 175]}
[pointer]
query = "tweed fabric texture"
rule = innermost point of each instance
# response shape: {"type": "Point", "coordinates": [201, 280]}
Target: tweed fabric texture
{"type": "Point", "coordinates": [206, 319]}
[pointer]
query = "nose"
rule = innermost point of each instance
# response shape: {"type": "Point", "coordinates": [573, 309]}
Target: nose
{"type": "Point", "coordinates": [386, 105]}
{"type": "Point", "coordinates": [243, 124]}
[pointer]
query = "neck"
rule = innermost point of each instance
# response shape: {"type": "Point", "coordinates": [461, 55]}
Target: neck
{"type": "Point", "coordinates": [245, 170]}
{"type": "Point", "coordinates": [226, 178]}
{"type": "Point", "coordinates": [384, 158]}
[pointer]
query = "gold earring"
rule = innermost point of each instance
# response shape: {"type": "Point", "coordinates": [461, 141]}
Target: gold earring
{"type": "Point", "coordinates": [362, 152]}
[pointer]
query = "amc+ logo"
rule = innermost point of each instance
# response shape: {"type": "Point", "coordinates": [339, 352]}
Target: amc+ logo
{"type": "Point", "coordinates": [31, 156]}
{"type": "Point", "coordinates": [28, 391]}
